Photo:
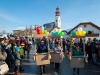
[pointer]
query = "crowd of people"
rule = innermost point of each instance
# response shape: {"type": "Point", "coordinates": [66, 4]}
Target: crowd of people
{"type": "Point", "coordinates": [12, 51]}
{"type": "Point", "coordinates": [92, 49]}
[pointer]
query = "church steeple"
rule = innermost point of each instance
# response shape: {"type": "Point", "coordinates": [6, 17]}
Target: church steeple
{"type": "Point", "coordinates": [57, 18]}
{"type": "Point", "coordinates": [57, 12]}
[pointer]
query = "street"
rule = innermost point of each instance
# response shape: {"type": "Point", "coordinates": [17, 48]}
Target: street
{"type": "Point", "coordinates": [30, 68]}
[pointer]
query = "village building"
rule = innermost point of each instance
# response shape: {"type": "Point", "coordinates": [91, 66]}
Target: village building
{"type": "Point", "coordinates": [92, 30]}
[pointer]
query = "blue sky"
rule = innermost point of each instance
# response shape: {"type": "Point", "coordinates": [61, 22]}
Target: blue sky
{"type": "Point", "coordinates": [19, 13]}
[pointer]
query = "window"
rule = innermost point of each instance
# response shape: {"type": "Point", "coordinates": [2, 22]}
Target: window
{"type": "Point", "coordinates": [90, 32]}
{"type": "Point", "coordinates": [85, 26]}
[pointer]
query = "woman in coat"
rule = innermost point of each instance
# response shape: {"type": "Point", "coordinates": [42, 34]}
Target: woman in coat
{"type": "Point", "coordinates": [3, 54]}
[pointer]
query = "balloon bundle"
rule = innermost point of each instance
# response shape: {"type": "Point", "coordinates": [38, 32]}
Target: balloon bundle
{"type": "Point", "coordinates": [40, 30]}
{"type": "Point", "coordinates": [79, 32]}
{"type": "Point", "coordinates": [57, 32]}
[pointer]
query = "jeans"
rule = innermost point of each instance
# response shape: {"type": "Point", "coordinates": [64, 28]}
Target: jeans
{"type": "Point", "coordinates": [94, 56]}
{"type": "Point", "coordinates": [77, 70]}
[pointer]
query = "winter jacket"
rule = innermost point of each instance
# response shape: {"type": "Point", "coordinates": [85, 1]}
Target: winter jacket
{"type": "Point", "coordinates": [9, 53]}
{"type": "Point", "coordinates": [57, 49]}
{"type": "Point", "coordinates": [21, 51]}
{"type": "Point", "coordinates": [51, 45]}
{"type": "Point", "coordinates": [77, 52]}
{"type": "Point", "coordinates": [3, 55]}
{"type": "Point", "coordinates": [42, 48]}
{"type": "Point", "coordinates": [17, 58]}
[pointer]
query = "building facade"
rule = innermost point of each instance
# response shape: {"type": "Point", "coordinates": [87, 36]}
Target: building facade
{"type": "Point", "coordinates": [92, 30]}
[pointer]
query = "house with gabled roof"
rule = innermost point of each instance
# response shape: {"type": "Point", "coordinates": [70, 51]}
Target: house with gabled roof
{"type": "Point", "coordinates": [92, 30]}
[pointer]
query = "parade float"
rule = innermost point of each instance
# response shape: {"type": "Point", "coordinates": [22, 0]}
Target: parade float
{"type": "Point", "coordinates": [77, 61]}
{"type": "Point", "coordinates": [41, 58]}
{"type": "Point", "coordinates": [56, 57]}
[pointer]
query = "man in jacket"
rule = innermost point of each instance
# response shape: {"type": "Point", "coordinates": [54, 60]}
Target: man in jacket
{"type": "Point", "coordinates": [42, 48]}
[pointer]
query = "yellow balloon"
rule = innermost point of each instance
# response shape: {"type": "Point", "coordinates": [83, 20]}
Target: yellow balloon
{"type": "Point", "coordinates": [47, 32]}
{"type": "Point", "coordinates": [78, 33]}
{"type": "Point", "coordinates": [59, 30]}
{"type": "Point", "coordinates": [83, 33]}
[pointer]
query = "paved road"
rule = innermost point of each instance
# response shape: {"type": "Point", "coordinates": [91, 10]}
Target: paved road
{"type": "Point", "coordinates": [30, 68]}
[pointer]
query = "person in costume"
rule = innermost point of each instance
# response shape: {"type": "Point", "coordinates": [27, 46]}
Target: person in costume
{"type": "Point", "coordinates": [57, 49]}
{"type": "Point", "coordinates": [21, 55]}
{"type": "Point", "coordinates": [17, 60]}
{"type": "Point", "coordinates": [76, 51]}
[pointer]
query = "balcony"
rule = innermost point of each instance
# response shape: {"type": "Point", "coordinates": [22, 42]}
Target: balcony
{"type": "Point", "coordinates": [92, 35]}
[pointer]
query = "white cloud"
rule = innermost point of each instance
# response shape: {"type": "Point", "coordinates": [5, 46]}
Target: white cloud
{"type": "Point", "coordinates": [20, 28]}
{"type": "Point", "coordinates": [8, 17]}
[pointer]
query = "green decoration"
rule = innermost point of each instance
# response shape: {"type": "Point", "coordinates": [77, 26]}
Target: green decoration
{"type": "Point", "coordinates": [73, 33]}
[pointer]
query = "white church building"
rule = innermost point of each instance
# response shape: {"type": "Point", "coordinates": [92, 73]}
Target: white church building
{"type": "Point", "coordinates": [56, 24]}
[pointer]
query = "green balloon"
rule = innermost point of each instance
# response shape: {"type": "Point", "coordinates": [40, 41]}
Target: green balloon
{"type": "Point", "coordinates": [45, 31]}
{"type": "Point", "coordinates": [60, 34]}
{"type": "Point", "coordinates": [73, 33]}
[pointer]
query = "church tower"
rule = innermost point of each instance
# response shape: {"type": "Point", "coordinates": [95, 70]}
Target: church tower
{"type": "Point", "coordinates": [57, 18]}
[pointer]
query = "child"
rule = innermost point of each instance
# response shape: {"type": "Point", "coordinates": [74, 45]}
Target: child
{"type": "Point", "coordinates": [76, 52]}
{"type": "Point", "coordinates": [21, 55]}
{"type": "Point", "coordinates": [57, 49]}
{"type": "Point", "coordinates": [17, 60]}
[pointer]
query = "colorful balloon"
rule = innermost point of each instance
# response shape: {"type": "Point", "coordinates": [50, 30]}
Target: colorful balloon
{"type": "Point", "coordinates": [78, 33]}
{"type": "Point", "coordinates": [80, 29]}
{"type": "Point", "coordinates": [83, 33]}
{"type": "Point", "coordinates": [59, 30]}
{"type": "Point", "coordinates": [42, 31]}
{"type": "Point", "coordinates": [62, 33]}
{"type": "Point", "coordinates": [73, 33]}
{"type": "Point", "coordinates": [55, 29]}
{"type": "Point", "coordinates": [57, 33]}
{"type": "Point", "coordinates": [45, 31]}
